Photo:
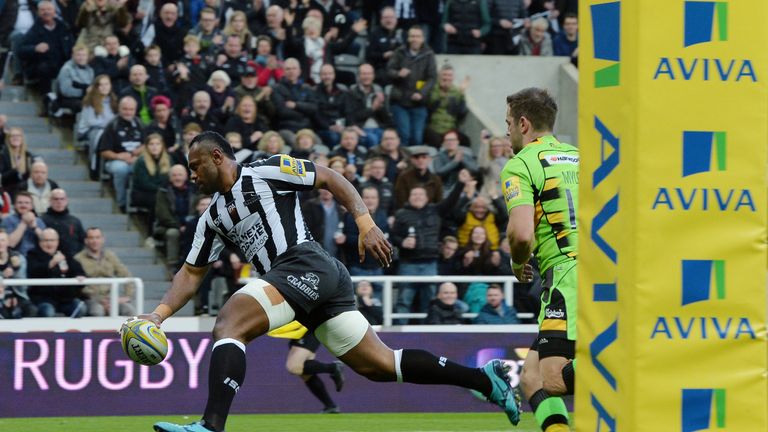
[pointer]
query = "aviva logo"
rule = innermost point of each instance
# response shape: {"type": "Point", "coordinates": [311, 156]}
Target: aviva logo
{"type": "Point", "coordinates": [703, 409]}
{"type": "Point", "coordinates": [703, 280]}
{"type": "Point", "coordinates": [698, 150]}
{"type": "Point", "coordinates": [606, 39]}
{"type": "Point", "coordinates": [701, 17]}
{"type": "Point", "coordinates": [703, 152]}
{"type": "Point", "coordinates": [698, 278]}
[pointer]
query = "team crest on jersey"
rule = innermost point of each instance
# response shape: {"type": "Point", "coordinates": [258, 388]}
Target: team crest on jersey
{"type": "Point", "coordinates": [289, 165]}
{"type": "Point", "coordinates": [511, 188]}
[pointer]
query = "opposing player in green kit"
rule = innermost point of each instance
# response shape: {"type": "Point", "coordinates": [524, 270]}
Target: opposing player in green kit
{"type": "Point", "coordinates": [541, 190]}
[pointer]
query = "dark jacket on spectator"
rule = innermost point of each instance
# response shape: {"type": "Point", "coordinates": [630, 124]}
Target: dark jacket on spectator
{"type": "Point", "coordinates": [359, 108]}
{"type": "Point", "coordinates": [373, 313]}
{"type": "Point", "coordinates": [381, 40]}
{"type": "Point", "coordinates": [306, 105]}
{"type": "Point", "coordinates": [70, 229]}
{"type": "Point", "coordinates": [60, 42]}
{"type": "Point", "coordinates": [423, 73]}
{"type": "Point", "coordinates": [426, 222]}
{"type": "Point", "coordinates": [465, 16]}
{"type": "Point", "coordinates": [37, 268]}
{"type": "Point", "coordinates": [410, 178]}
{"type": "Point", "coordinates": [331, 105]}
{"type": "Point", "coordinates": [108, 66]}
{"type": "Point", "coordinates": [234, 67]}
{"type": "Point", "coordinates": [236, 124]}
{"type": "Point", "coordinates": [11, 178]}
{"type": "Point", "coordinates": [386, 193]}
{"type": "Point", "coordinates": [489, 315]}
{"type": "Point", "coordinates": [8, 13]}
{"type": "Point", "coordinates": [441, 313]}
{"type": "Point", "coordinates": [170, 209]}
{"type": "Point", "coordinates": [170, 40]}
{"type": "Point", "coordinates": [121, 135]}
{"type": "Point", "coordinates": [209, 123]}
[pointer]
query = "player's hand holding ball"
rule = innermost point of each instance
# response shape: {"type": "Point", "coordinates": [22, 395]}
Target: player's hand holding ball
{"type": "Point", "coordinates": [143, 341]}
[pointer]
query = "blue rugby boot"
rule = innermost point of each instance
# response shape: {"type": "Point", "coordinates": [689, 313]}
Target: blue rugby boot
{"type": "Point", "coordinates": [502, 393]}
{"type": "Point", "coordinates": [172, 427]}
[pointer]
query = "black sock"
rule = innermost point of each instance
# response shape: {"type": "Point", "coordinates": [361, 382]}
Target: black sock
{"type": "Point", "coordinates": [422, 367]}
{"type": "Point", "coordinates": [312, 367]}
{"type": "Point", "coordinates": [225, 377]}
{"type": "Point", "coordinates": [317, 388]}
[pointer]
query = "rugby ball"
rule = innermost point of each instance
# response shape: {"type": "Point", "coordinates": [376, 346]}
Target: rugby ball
{"type": "Point", "coordinates": [143, 341]}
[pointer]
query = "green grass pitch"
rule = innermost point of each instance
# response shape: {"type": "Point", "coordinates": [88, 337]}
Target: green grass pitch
{"type": "Point", "coordinates": [410, 422]}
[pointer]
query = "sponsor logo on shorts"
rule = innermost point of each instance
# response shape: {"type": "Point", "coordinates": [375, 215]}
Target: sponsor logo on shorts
{"type": "Point", "coordinates": [306, 284]}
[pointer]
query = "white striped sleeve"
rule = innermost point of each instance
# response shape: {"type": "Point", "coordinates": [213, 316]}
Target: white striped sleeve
{"type": "Point", "coordinates": [206, 246]}
{"type": "Point", "coordinates": [286, 173]}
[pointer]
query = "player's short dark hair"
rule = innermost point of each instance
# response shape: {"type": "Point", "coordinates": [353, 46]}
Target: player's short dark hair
{"type": "Point", "coordinates": [213, 139]}
{"type": "Point", "coordinates": [535, 104]}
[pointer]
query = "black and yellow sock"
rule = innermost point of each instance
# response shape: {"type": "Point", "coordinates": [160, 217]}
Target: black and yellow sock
{"type": "Point", "coordinates": [550, 411]}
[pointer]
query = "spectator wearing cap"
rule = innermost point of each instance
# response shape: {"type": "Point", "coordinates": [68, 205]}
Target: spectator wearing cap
{"type": "Point", "coordinates": [232, 60]}
{"type": "Point", "coordinates": [331, 102]}
{"type": "Point", "coordinates": [249, 86]}
{"type": "Point", "coordinates": [162, 123]}
{"type": "Point", "coordinates": [140, 92]}
{"type": "Point", "coordinates": [222, 95]}
{"type": "Point", "coordinates": [208, 33]}
{"type": "Point", "coordinates": [452, 158]}
{"type": "Point", "coordinates": [418, 175]}
{"type": "Point", "coordinates": [294, 102]}
{"type": "Point", "coordinates": [155, 70]}
{"type": "Point", "coordinates": [245, 121]}
{"type": "Point", "coordinates": [268, 68]}
{"type": "Point", "coordinates": [367, 107]}
{"type": "Point", "coordinates": [202, 113]}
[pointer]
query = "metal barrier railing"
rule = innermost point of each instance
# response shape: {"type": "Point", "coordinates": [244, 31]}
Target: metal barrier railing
{"type": "Point", "coordinates": [388, 282]}
{"type": "Point", "coordinates": [114, 291]}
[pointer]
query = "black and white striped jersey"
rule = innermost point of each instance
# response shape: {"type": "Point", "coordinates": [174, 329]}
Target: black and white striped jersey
{"type": "Point", "coordinates": [260, 216]}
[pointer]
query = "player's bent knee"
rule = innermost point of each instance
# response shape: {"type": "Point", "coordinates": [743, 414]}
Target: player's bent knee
{"type": "Point", "coordinates": [279, 312]}
{"type": "Point", "coordinates": [342, 332]}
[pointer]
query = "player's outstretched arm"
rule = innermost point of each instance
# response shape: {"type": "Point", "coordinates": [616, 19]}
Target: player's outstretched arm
{"type": "Point", "coordinates": [520, 232]}
{"type": "Point", "coordinates": [371, 238]}
{"type": "Point", "coordinates": [185, 284]}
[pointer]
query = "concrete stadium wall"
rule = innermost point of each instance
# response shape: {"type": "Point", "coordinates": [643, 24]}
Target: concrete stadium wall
{"type": "Point", "coordinates": [495, 77]}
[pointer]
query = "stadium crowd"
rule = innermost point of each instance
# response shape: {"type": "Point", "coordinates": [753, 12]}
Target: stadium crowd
{"type": "Point", "coordinates": [352, 85]}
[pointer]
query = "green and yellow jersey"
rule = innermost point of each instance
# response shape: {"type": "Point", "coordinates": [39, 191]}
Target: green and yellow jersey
{"type": "Point", "coordinates": [545, 174]}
